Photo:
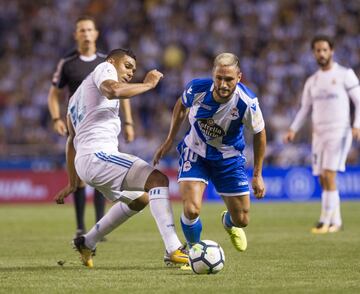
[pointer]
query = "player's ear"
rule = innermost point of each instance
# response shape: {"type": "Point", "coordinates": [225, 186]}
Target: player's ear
{"type": "Point", "coordinates": [111, 60]}
{"type": "Point", "coordinates": [96, 34]}
{"type": "Point", "coordinates": [239, 76]}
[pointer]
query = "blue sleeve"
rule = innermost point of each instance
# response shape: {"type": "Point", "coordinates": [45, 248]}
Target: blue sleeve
{"type": "Point", "coordinates": [188, 95]}
{"type": "Point", "coordinates": [196, 86]}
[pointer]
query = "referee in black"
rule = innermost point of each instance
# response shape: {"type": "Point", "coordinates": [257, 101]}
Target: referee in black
{"type": "Point", "coordinates": [70, 72]}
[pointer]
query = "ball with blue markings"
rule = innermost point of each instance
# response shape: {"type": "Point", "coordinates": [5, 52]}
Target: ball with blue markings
{"type": "Point", "coordinates": [206, 257]}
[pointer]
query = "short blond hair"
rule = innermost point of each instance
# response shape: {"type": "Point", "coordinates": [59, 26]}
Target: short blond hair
{"type": "Point", "coordinates": [227, 59]}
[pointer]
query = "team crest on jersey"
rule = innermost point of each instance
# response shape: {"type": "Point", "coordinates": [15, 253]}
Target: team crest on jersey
{"type": "Point", "coordinates": [186, 166]}
{"type": "Point", "coordinates": [210, 129]}
{"type": "Point", "coordinates": [234, 113]}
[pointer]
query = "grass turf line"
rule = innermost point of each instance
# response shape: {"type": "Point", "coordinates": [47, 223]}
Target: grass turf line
{"type": "Point", "coordinates": [282, 256]}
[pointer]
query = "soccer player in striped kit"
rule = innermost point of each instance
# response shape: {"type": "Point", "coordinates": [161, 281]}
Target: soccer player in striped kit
{"type": "Point", "coordinates": [218, 109]}
{"type": "Point", "coordinates": [326, 94]}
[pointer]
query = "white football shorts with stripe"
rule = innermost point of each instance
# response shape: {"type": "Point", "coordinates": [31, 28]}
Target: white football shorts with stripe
{"type": "Point", "coordinates": [118, 176]}
{"type": "Point", "coordinates": [330, 152]}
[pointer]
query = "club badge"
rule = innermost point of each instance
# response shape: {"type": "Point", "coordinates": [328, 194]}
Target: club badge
{"type": "Point", "coordinates": [234, 113]}
{"type": "Point", "coordinates": [186, 166]}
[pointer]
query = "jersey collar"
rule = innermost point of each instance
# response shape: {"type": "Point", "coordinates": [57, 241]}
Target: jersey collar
{"type": "Point", "coordinates": [87, 58]}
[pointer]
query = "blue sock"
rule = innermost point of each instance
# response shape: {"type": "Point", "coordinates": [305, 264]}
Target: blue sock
{"type": "Point", "coordinates": [192, 232]}
{"type": "Point", "coordinates": [228, 221]}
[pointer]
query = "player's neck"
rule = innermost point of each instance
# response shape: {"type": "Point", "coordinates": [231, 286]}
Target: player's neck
{"type": "Point", "coordinates": [328, 66]}
{"type": "Point", "coordinates": [218, 99]}
{"type": "Point", "coordinates": [87, 50]}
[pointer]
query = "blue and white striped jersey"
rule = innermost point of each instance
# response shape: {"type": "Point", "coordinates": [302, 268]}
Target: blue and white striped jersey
{"type": "Point", "coordinates": [217, 128]}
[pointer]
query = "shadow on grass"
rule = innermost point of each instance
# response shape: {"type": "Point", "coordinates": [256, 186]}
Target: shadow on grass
{"type": "Point", "coordinates": [75, 266]}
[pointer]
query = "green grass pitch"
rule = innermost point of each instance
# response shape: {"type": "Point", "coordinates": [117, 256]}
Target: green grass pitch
{"type": "Point", "coordinates": [282, 255]}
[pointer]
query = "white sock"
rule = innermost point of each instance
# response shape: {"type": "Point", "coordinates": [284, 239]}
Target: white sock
{"type": "Point", "coordinates": [117, 214]}
{"type": "Point", "coordinates": [336, 216]}
{"type": "Point", "coordinates": [327, 207]}
{"type": "Point", "coordinates": [323, 205]}
{"type": "Point", "coordinates": [161, 210]}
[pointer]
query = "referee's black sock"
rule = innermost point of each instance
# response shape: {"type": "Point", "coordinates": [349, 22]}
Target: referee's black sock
{"type": "Point", "coordinates": [79, 202]}
{"type": "Point", "coordinates": [99, 205]}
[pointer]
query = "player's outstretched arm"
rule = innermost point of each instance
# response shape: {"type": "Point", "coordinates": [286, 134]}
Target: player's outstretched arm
{"type": "Point", "coordinates": [298, 122]}
{"type": "Point", "coordinates": [355, 97]}
{"type": "Point", "coordinates": [128, 122]}
{"type": "Point", "coordinates": [178, 116]}
{"type": "Point", "coordinates": [54, 109]}
{"type": "Point", "coordinates": [356, 133]}
{"type": "Point", "coordinates": [115, 90]}
{"type": "Point", "coordinates": [301, 116]}
{"type": "Point", "coordinates": [352, 87]}
{"type": "Point", "coordinates": [259, 154]}
{"type": "Point", "coordinates": [74, 180]}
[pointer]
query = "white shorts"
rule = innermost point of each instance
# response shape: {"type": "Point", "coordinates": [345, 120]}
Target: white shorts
{"type": "Point", "coordinates": [118, 176]}
{"type": "Point", "coordinates": [330, 152]}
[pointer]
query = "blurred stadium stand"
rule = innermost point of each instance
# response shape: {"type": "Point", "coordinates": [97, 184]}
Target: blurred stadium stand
{"type": "Point", "coordinates": [179, 38]}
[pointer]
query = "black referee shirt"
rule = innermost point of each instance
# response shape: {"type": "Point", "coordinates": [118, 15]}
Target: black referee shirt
{"type": "Point", "coordinates": [73, 69]}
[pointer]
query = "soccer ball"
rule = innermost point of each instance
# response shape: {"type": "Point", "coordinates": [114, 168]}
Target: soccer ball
{"type": "Point", "coordinates": [206, 257]}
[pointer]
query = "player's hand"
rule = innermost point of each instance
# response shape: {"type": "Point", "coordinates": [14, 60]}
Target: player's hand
{"type": "Point", "coordinates": [65, 192]}
{"type": "Point", "coordinates": [129, 133]}
{"type": "Point", "coordinates": [258, 187]}
{"type": "Point", "coordinates": [161, 152]}
{"type": "Point", "coordinates": [153, 77]}
{"type": "Point", "coordinates": [289, 136]}
{"type": "Point", "coordinates": [356, 134]}
{"type": "Point", "coordinates": [60, 127]}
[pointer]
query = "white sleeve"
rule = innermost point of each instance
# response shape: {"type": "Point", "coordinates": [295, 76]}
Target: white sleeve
{"type": "Point", "coordinates": [302, 114]}
{"type": "Point", "coordinates": [69, 105]}
{"type": "Point", "coordinates": [352, 87]}
{"type": "Point", "coordinates": [104, 71]}
{"type": "Point", "coordinates": [253, 119]}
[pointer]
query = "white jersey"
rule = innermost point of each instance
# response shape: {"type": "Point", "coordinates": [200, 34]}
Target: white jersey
{"type": "Point", "coordinates": [327, 93]}
{"type": "Point", "coordinates": [94, 117]}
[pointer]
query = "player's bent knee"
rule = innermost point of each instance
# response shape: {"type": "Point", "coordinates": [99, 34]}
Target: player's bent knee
{"type": "Point", "coordinates": [192, 212]}
{"type": "Point", "coordinates": [191, 209]}
{"type": "Point", "coordinates": [139, 203]}
{"type": "Point", "coordinates": [328, 180]}
{"type": "Point", "coordinates": [156, 179]}
{"type": "Point", "coordinates": [82, 184]}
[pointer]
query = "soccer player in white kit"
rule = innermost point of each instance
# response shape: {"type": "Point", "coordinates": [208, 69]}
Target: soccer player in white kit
{"type": "Point", "coordinates": [93, 156]}
{"type": "Point", "coordinates": [326, 93]}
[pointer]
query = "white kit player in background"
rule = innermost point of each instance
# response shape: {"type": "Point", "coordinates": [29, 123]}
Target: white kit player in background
{"type": "Point", "coordinates": [92, 155]}
{"type": "Point", "coordinates": [326, 93]}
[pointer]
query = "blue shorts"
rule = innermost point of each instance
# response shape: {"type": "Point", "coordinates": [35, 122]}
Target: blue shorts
{"type": "Point", "coordinates": [228, 175]}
